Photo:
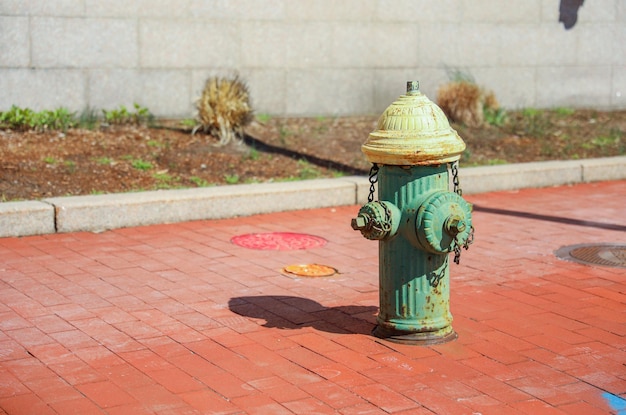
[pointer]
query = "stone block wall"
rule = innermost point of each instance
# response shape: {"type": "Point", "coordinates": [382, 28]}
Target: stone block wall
{"type": "Point", "coordinates": [306, 57]}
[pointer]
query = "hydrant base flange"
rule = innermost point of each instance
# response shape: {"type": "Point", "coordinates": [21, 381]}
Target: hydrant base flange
{"type": "Point", "coordinates": [420, 339]}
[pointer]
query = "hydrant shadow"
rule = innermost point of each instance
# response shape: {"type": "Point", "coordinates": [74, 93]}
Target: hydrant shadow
{"type": "Point", "coordinates": [287, 312]}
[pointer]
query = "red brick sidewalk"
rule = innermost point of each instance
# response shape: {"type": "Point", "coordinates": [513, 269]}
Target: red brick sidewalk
{"type": "Point", "coordinates": [174, 319]}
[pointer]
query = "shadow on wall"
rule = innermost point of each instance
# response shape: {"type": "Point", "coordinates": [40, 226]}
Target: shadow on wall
{"type": "Point", "coordinates": [568, 12]}
{"type": "Point", "coordinates": [287, 312]}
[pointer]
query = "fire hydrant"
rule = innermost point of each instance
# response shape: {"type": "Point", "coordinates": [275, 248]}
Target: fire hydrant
{"type": "Point", "coordinates": [417, 220]}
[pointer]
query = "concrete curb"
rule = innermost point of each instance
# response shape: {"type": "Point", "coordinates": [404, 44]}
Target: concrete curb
{"type": "Point", "coordinates": [103, 212]}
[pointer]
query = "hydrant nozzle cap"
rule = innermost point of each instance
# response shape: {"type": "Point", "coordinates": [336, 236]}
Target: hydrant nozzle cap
{"type": "Point", "coordinates": [413, 131]}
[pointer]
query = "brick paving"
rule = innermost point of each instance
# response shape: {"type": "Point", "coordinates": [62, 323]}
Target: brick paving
{"type": "Point", "coordinates": [175, 319]}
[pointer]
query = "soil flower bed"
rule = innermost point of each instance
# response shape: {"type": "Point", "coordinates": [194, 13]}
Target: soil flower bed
{"type": "Point", "coordinates": [165, 155]}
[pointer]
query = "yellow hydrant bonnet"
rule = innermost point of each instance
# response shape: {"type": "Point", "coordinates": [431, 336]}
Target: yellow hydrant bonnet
{"type": "Point", "coordinates": [413, 131]}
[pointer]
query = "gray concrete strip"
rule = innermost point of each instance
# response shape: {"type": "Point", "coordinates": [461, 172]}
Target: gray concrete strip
{"type": "Point", "coordinates": [102, 212]}
{"type": "Point", "coordinates": [26, 218]}
{"type": "Point", "coordinates": [610, 168]}
{"type": "Point", "coordinates": [517, 176]}
{"type": "Point", "coordinates": [541, 174]}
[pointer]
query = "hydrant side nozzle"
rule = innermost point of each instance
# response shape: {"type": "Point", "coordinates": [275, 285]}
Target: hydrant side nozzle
{"type": "Point", "coordinates": [377, 220]}
{"type": "Point", "coordinates": [443, 220]}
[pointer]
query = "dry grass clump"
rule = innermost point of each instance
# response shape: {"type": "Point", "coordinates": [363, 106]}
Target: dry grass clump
{"type": "Point", "coordinates": [224, 108]}
{"type": "Point", "coordinates": [467, 103]}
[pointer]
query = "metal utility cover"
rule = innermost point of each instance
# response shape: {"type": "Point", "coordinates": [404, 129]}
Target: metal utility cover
{"type": "Point", "coordinates": [310, 270]}
{"type": "Point", "coordinates": [608, 255]}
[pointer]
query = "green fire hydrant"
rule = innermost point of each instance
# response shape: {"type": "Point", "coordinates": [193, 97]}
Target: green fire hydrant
{"type": "Point", "coordinates": [417, 220]}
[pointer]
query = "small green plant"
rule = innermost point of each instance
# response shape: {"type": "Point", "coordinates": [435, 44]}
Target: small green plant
{"type": "Point", "coordinates": [188, 123]}
{"type": "Point", "coordinates": [122, 115]}
{"type": "Point", "coordinates": [103, 160]}
{"type": "Point", "coordinates": [71, 165]}
{"type": "Point", "coordinates": [141, 114]}
{"type": "Point", "coordinates": [606, 142]}
{"type": "Point", "coordinates": [16, 118]}
{"type": "Point", "coordinates": [164, 177]}
{"type": "Point", "coordinates": [116, 116]}
{"type": "Point", "coordinates": [531, 112]}
{"type": "Point", "coordinates": [62, 119]}
{"type": "Point", "coordinates": [494, 162]}
{"type": "Point", "coordinates": [26, 119]}
{"type": "Point", "coordinates": [284, 133]}
{"type": "Point", "coordinates": [231, 178]}
{"type": "Point", "coordinates": [307, 170]}
{"type": "Point", "coordinates": [88, 118]}
{"type": "Point", "coordinates": [564, 111]}
{"type": "Point", "coordinates": [141, 164]}
{"type": "Point", "coordinates": [198, 181]}
{"type": "Point", "coordinates": [263, 118]}
{"type": "Point", "coordinates": [495, 116]}
{"type": "Point", "coordinates": [253, 154]}
{"type": "Point", "coordinates": [533, 122]}
{"type": "Point", "coordinates": [50, 160]}
{"type": "Point", "coordinates": [165, 181]}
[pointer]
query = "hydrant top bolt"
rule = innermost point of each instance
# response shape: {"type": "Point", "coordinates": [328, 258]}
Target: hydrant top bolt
{"type": "Point", "coordinates": [412, 87]}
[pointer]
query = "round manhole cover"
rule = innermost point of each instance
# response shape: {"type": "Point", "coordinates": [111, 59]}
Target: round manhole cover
{"type": "Point", "coordinates": [608, 255]}
{"type": "Point", "coordinates": [310, 270]}
{"type": "Point", "coordinates": [278, 241]}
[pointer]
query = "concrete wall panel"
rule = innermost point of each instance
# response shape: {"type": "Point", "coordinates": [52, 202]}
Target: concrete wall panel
{"type": "Point", "coordinates": [618, 87]}
{"type": "Point", "coordinates": [598, 11]}
{"type": "Point", "coordinates": [42, 89]}
{"type": "Point", "coordinates": [189, 44]}
{"type": "Point", "coordinates": [155, 89]}
{"type": "Point", "coordinates": [14, 42]}
{"type": "Point", "coordinates": [67, 8]}
{"type": "Point", "coordinates": [513, 86]}
{"type": "Point", "coordinates": [245, 10]}
{"type": "Point", "coordinates": [113, 8]}
{"type": "Point", "coordinates": [83, 43]}
{"type": "Point", "coordinates": [268, 89]}
{"type": "Point", "coordinates": [497, 11]}
{"type": "Point", "coordinates": [419, 11]}
{"type": "Point", "coordinates": [574, 86]}
{"type": "Point", "coordinates": [331, 10]}
{"type": "Point", "coordinates": [117, 52]}
{"type": "Point", "coordinates": [352, 91]}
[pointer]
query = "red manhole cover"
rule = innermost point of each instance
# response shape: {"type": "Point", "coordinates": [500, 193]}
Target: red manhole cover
{"type": "Point", "coordinates": [278, 241]}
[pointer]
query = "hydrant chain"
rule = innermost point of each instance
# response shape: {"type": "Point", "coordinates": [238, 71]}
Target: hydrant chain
{"type": "Point", "coordinates": [457, 251]}
{"type": "Point", "coordinates": [373, 178]}
{"type": "Point", "coordinates": [454, 168]}
{"type": "Point", "coordinates": [457, 246]}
